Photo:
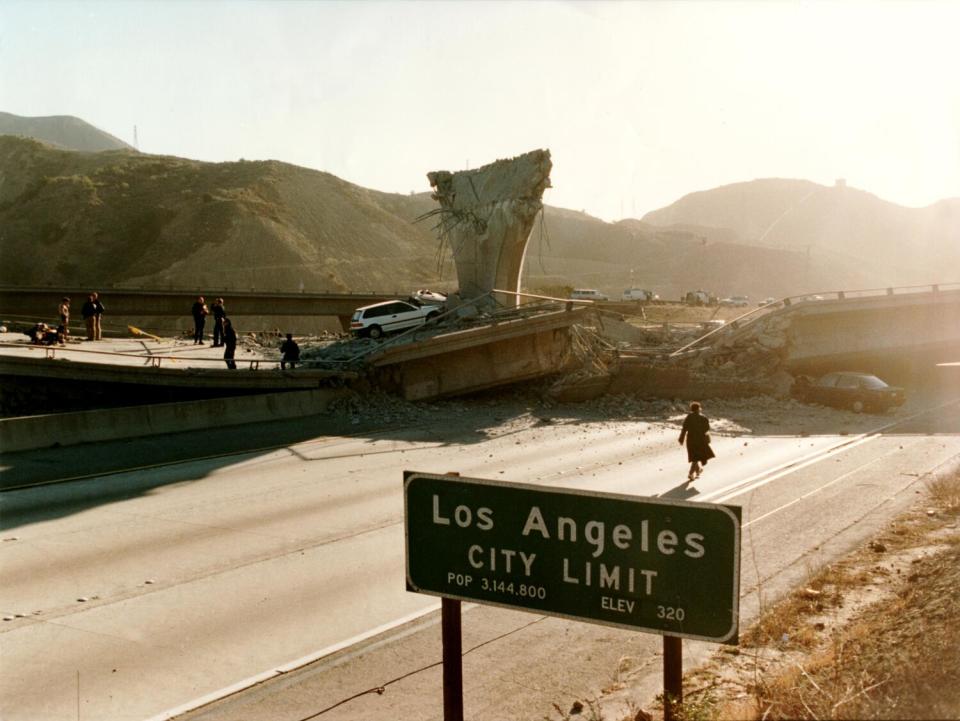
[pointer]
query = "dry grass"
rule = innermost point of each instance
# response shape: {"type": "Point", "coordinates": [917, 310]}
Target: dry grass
{"type": "Point", "coordinates": [897, 658]}
{"type": "Point", "coordinates": [822, 592]}
{"type": "Point", "coordinates": [945, 492]}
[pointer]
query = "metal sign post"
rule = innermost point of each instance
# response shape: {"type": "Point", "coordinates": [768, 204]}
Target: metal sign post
{"type": "Point", "coordinates": [646, 564]}
{"type": "Point", "coordinates": [672, 676]}
{"type": "Point", "coordinates": [452, 639]}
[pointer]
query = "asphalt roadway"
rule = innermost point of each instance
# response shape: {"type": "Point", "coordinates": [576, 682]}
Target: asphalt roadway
{"type": "Point", "coordinates": [257, 572]}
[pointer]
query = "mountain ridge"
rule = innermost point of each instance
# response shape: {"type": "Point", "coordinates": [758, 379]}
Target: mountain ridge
{"type": "Point", "coordinates": [123, 217]}
{"type": "Point", "coordinates": [61, 131]}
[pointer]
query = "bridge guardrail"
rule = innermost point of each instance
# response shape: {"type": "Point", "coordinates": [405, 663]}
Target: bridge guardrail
{"type": "Point", "coordinates": [193, 291]}
{"type": "Point", "coordinates": [792, 300]}
{"type": "Point", "coordinates": [154, 361]}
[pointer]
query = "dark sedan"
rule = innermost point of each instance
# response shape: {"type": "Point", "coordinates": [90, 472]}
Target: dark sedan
{"type": "Point", "coordinates": [856, 391]}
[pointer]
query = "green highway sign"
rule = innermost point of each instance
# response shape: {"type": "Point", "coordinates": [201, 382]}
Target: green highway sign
{"type": "Point", "coordinates": [667, 567]}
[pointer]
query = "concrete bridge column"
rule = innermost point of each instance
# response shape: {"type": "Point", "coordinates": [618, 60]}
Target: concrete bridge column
{"type": "Point", "coordinates": [487, 215]}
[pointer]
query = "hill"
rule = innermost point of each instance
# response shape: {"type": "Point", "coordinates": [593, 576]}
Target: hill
{"type": "Point", "coordinates": [61, 131]}
{"type": "Point", "coordinates": [836, 226]}
{"type": "Point", "coordinates": [119, 217]}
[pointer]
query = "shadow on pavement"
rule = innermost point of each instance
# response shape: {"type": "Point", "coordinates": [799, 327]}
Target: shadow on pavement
{"type": "Point", "coordinates": [70, 480]}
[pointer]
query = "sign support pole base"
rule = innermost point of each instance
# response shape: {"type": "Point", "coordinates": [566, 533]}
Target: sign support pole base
{"type": "Point", "coordinates": [452, 659]}
{"type": "Point", "coordinates": [672, 677]}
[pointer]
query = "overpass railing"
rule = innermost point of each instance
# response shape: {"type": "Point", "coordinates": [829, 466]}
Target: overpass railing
{"type": "Point", "coordinates": [195, 290]}
{"type": "Point", "coordinates": [871, 292]}
{"type": "Point", "coordinates": [791, 301]}
{"type": "Point", "coordinates": [153, 361]}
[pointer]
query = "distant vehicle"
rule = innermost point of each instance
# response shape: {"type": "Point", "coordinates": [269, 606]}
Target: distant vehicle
{"type": "Point", "coordinates": [379, 319]}
{"type": "Point", "coordinates": [845, 389]}
{"type": "Point", "coordinates": [588, 294]}
{"type": "Point", "coordinates": [638, 294]}
{"type": "Point", "coordinates": [736, 301]}
{"type": "Point", "coordinates": [766, 301]}
{"type": "Point", "coordinates": [428, 297]}
{"type": "Point", "coordinates": [697, 297]}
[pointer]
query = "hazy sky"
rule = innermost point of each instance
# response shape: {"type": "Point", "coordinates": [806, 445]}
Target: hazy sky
{"type": "Point", "coordinates": [639, 102]}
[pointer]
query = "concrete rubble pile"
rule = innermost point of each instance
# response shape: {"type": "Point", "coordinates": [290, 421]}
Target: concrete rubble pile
{"type": "Point", "coordinates": [345, 353]}
{"type": "Point", "coordinates": [596, 359]}
{"type": "Point", "coordinates": [756, 351]}
{"type": "Point", "coordinates": [737, 362]}
{"type": "Point", "coordinates": [377, 407]}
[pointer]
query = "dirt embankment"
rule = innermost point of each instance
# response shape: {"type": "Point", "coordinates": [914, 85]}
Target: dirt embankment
{"type": "Point", "coordinates": [871, 637]}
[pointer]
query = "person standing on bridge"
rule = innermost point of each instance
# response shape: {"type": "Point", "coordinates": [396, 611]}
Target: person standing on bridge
{"type": "Point", "coordinates": [98, 310]}
{"type": "Point", "coordinates": [200, 313]}
{"type": "Point", "coordinates": [219, 314]}
{"type": "Point", "coordinates": [64, 311]}
{"type": "Point", "coordinates": [230, 343]}
{"type": "Point", "coordinates": [696, 430]}
{"type": "Point", "coordinates": [291, 353]}
{"type": "Point", "coordinates": [91, 311]}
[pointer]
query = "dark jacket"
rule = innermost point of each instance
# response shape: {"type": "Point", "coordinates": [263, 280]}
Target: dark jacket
{"type": "Point", "coordinates": [199, 310]}
{"type": "Point", "coordinates": [88, 310]}
{"type": "Point", "coordinates": [230, 337]}
{"type": "Point", "coordinates": [219, 313]}
{"type": "Point", "coordinates": [695, 428]}
{"type": "Point", "coordinates": [290, 350]}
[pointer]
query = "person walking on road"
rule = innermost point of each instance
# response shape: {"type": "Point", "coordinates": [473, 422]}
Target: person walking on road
{"type": "Point", "coordinates": [219, 314]}
{"type": "Point", "coordinates": [291, 353]}
{"type": "Point", "coordinates": [200, 313]}
{"type": "Point", "coordinates": [230, 343]}
{"type": "Point", "coordinates": [696, 430]}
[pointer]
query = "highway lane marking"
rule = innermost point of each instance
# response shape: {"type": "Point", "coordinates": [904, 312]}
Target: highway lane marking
{"type": "Point", "coordinates": [785, 469]}
{"type": "Point", "coordinates": [330, 440]}
{"type": "Point", "coordinates": [815, 490]}
{"type": "Point", "coordinates": [764, 477]}
{"type": "Point", "coordinates": [214, 456]}
{"type": "Point", "coordinates": [738, 488]}
{"type": "Point", "coordinates": [291, 665]}
{"type": "Point", "coordinates": [391, 625]}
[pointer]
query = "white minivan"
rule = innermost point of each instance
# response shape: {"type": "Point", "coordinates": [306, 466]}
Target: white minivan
{"type": "Point", "coordinates": [638, 294]}
{"type": "Point", "coordinates": [587, 294]}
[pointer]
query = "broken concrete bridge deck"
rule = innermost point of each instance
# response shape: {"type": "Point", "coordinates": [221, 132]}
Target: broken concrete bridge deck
{"type": "Point", "coordinates": [121, 371]}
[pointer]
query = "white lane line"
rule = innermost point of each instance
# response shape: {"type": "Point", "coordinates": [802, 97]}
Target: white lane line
{"type": "Point", "coordinates": [290, 666]}
{"type": "Point", "coordinates": [814, 491]}
{"type": "Point", "coordinates": [772, 474]}
{"type": "Point", "coordinates": [260, 453]}
{"type": "Point", "coordinates": [735, 490]}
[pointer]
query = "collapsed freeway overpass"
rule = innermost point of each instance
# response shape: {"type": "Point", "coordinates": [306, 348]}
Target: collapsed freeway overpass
{"type": "Point", "coordinates": [875, 330]}
{"type": "Point", "coordinates": [856, 330]}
